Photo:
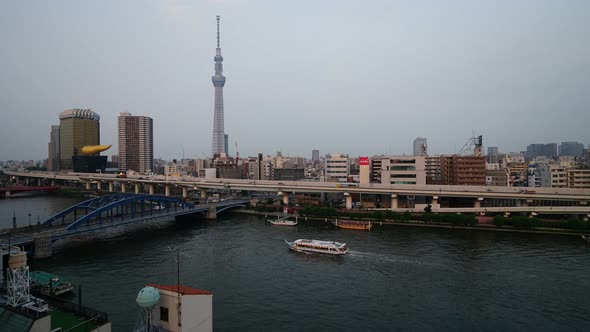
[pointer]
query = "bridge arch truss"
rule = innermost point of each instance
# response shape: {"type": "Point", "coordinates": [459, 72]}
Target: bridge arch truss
{"type": "Point", "coordinates": [117, 209]}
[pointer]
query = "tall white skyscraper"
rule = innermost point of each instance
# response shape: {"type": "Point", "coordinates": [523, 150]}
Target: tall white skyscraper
{"type": "Point", "coordinates": [420, 147]}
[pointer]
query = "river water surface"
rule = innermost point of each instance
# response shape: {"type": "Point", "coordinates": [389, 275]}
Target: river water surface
{"type": "Point", "coordinates": [394, 278]}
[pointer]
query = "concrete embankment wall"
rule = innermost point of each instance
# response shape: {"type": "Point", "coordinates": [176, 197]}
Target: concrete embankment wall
{"type": "Point", "coordinates": [417, 223]}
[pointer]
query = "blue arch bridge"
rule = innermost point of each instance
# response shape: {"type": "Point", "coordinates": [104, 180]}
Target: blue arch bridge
{"type": "Point", "coordinates": [100, 214]}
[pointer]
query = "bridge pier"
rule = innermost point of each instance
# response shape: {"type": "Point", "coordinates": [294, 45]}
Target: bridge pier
{"type": "Point", "coordinates": [137, 185]}
{"type": "Point", "coordinates": [152, 189]}
{"type": "Point", "coordinates": [184, 192]}
{"type": "Point", "coordinates": [348, 199]}
{"type": "Point", "coordinates": [212, 213]}
{"type": "Point", "coordinates": [123, 187]}
{"type": "Point", "coordinates": [434, 201]}
{"type": "Point", "coordinates": [43, 245]}
{"type": "Point", "coordinates": [53, 183]}
{"type": "Point", "coordinates": [111, 187]}
{"type": "Point", "coordinates": [203, 194]}
{"type": "Point", "coordinates": [285, 197]}
{"type": "Point", "coordinates": [87, 183]}
{"type": "Point", "coordinates": [27, 181]}
{"type": "Point", "coordinates": [167, 190]}
{"type": "Point", "coordinates": [99, 185]}
{"type": "Point", "coordinates": [477, 203]}
{"type": "Point", "coordinates": [394, 201]}
{"type": "Point", "coordinates": [39, 182]}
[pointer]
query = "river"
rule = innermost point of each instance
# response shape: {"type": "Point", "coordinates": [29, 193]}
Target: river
{"type": "Point", "coordinates": [394, 278]}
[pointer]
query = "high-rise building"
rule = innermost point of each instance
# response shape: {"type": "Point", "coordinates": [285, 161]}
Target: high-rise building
{"type": "Point", "coordinates": [136, 143]}
{"type": "Point", "coordinates": [403, 170]}
{"type": "Point", "coordinates": [463, 170]}
{"type": "Point", "coordinates": [77, 128]}
{"type": "Point", "coordinates": [493, 153]}
{"type": "Point", "coordinates": [337, 167]}
{"type": "Point", "coordinates": [420, 147]}
{"type": "Point", "coordinates": [315, 156]}
{"type": "Point", "coordinates": [433, 170]}
{"type": "Point", "coordinates": [226, 144]}
{"type": "Point", "coordinates": [541, 150]}
{"type": "Point", "coordinates": [53, 151]}
{"type": "Point", "coordinates": [218, 82]}
{"type": "Point", "coordinates": [573, 149]}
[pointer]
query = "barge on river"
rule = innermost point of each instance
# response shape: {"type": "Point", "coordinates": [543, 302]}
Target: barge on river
{"type": "Point", "coordinates": [348, 224]}
{"type": "Point", "coordinates": [49, 284]}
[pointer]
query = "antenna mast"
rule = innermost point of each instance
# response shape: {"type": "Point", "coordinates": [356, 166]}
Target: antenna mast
{"type": "Point", "coordinates": [218, 17]}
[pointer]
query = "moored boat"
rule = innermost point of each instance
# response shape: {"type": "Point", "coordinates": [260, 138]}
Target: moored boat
{"type": "Point", "coordinates": [282, 222]}
{"type": "Point", "coordinates": [49, 284]}
{"type": "Point", "coordinates": [365, 226]}
{"type": "Point", "coordinates": [318, 246]}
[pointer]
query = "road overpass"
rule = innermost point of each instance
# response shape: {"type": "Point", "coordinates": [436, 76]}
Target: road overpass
{"type": "Point", "coordinates": [555, 200]}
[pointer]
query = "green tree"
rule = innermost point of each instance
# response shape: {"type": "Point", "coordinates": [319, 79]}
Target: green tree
{"type": "Point", "coordinates": [499, 220]}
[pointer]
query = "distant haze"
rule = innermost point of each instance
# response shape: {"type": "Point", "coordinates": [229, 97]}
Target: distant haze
{"type": "Point", "coordinates": [363, 77]}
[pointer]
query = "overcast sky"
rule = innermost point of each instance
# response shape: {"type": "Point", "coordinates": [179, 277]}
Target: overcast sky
{"type": "Point", "coordinates": [357, 77]}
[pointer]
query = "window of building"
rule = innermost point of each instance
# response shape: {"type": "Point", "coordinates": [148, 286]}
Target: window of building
{"type": "Point", "coordinates": [164, 314]}
{"type": "Point", "coordinates": [402, 168]}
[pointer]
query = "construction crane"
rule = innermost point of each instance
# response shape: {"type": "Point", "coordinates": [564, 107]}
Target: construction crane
{"type": "Point", "coordinates": [237, 153]}
{"type": "Point", "coordinates": [473, 146]}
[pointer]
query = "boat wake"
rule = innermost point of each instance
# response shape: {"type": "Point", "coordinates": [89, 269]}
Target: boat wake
{"type": "Point", "coordinates": [394, 259]}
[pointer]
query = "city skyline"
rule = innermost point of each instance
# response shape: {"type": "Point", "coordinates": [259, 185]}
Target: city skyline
{"type": "Point", "coordinates": [515, 73]}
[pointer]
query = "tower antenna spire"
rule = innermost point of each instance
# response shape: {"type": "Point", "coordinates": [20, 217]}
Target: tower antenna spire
{"type": "Point", "coordinates": [218, 17]}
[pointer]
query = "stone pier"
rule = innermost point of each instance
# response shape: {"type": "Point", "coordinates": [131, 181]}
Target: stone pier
{"type": "Point", "coordinates": [212, 213]}
{"type": "Point", "coordinates": [394, 201]}
{"type": "Point", "coordinates": [348, 199]}
{"type": "Point", "coordinates": [43, 245]}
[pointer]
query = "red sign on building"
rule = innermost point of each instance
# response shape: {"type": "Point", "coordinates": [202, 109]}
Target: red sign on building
{"type": "Point", "coordinates": [364, 161]}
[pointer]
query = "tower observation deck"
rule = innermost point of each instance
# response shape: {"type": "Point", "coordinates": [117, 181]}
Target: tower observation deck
{"type": "Point", "coordinates": [218, 144]}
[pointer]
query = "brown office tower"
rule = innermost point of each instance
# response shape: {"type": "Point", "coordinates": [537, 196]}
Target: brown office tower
{"type": "Point", "coordinates": [77, 128]}
{"type": "Point", "coordinates": [136, 143]}
{"type": "Point", "coordinates": [463, 170]}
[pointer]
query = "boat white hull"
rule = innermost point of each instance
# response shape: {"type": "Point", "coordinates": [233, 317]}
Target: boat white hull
{"type": "Point", "coordinates": [293, 246]}
{"type": "Point", "coordinates": [282, 222]}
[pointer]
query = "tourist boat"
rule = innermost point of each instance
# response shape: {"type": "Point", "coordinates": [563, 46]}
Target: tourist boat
{"type": "Point", "coordinates": [586, 237]}
{"type": "Point", "coordinates": [282, 221]}
{"type": "Point", "coordinates": [317, 246]}
{"type": "Point", "coordinates": [365, 226]}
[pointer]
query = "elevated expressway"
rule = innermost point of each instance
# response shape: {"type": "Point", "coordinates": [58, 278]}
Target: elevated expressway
{"type": "Point", "coordinates": [529, 200]}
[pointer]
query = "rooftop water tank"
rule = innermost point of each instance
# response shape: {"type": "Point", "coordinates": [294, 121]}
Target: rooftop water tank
{"type": "Point", "coordinates": [17, 260]}
{"type": "Point", "coordinates": [148, 297]}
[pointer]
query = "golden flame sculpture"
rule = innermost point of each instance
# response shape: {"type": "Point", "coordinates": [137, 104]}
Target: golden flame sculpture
{"type": "Point", "coordinates": [93, 149]}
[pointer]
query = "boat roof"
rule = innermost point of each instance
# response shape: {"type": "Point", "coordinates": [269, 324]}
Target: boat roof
{"type": "Point", "coordinates": [184, 290]}
{"type": "Point", "coordinates": [43, 277]}
{"type": "Point", "coordinates": [321, 243]}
